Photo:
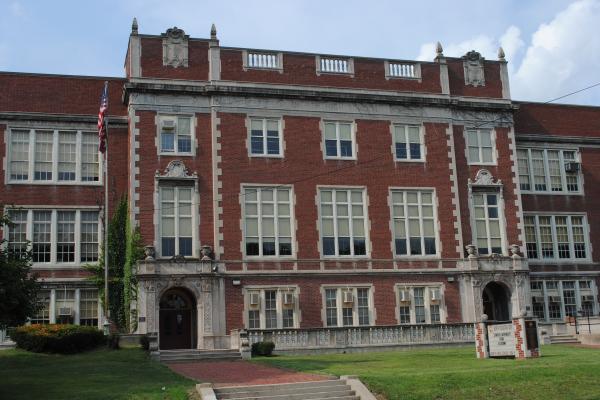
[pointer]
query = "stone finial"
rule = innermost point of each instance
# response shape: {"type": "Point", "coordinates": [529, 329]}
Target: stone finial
{"type": "Point", "coordinates": [213, 32]}
{"type": "Point", "coordinates": [134, 26]}
{"type": "Point", "coordinates": [484, 317]}
{"type": "Point", "coordinates": [501, 55]}
{"type": "Point", "coordinates": [439, 50]}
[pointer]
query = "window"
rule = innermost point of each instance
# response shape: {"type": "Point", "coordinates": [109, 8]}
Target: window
{"type": "Point", "coordinates": [265, 137]}
{"type": "Point", "coordinates": [419, 304]}
{"type": "Point", "coordinates": [57, 236]}
{"type": "Point", "coordinates": [548, 170]}
{"type": "Point", "coordinates": [557, 299]}
{"type": "Point", "coordinates": [267, 221]}
{"type": "Point", "coordinates": [65, 306]}
{"type": "Point", "coordinates": [88, 307]}
{"type": "Point", "coordinates": [176, 135]}
{"type": "Point", "coordinates": [347, 306]}
{"type": "Point", "coordinates": [343, 222]}
{"type": "Point", "coordinates": [17, 236]}
{"type": "Point", "coordinates": [42, 315]}
{"type": "Point", "coordinates": [54, 156]}
{"type": "Point", "coordinates": [271, 308]}
{"type": "Point", "coordinates": [339, 140]}
{"type": "Point", "coordinates": [480, 144]}
{"type": "Point", "coordinates": [414, 223]}
{"type": "Point", "coordinates": [408, 143]}
{"type": "Point", "coordinates": [569, 298]}
{"type": "Point", "coordinates": [556, 237]}
{"type": "Point", "coordinates": [176, 227]}
{"type": "Point", "coordinates": [486, 210]}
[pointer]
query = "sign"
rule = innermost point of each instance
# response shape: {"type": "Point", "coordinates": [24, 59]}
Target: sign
{"type": "Point", "coordinates": [501, 339]}
{"type": "Point", "coordinates": [531, 335]}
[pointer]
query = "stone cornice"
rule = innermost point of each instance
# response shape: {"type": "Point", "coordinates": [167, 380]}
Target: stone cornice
{"type": "Point", "coordinates": [113, 121]}
{"type": "Point", "coordinates": [545, 138]}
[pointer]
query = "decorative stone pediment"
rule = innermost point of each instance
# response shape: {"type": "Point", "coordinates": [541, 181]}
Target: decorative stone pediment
{"type": "Point", "coordinates": [176, 170]}
{"type": "Point", "coordinates": [473, 65]}
{"type": "Point", "coordinates": [485, 178]}
{"type": "Point", "coordinates": [175, 48]}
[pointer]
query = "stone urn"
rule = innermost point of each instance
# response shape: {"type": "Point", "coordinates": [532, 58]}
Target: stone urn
{"type": "Point", "coordinates": [150, 252]}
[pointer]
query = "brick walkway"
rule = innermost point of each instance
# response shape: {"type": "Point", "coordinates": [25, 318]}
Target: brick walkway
{"type": "Point", "coordinates": [239, 373]}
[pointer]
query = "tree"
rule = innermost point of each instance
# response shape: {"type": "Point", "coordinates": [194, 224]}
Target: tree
{"type": "Point", "coordinates": [18, 286]}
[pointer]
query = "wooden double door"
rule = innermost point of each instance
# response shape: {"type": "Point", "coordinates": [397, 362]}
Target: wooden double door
{"type": "Point", "coordinates": [177, 320]}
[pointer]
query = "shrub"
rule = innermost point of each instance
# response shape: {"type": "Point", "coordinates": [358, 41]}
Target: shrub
{"type": "Point", "coordinates": [113, 342]}
{"type": "Point", "coordinates": [263, 348]}
{"type": "Point", "coordinates": [64, 339]}
{"type": "Point", "coordinates": [145, 342]}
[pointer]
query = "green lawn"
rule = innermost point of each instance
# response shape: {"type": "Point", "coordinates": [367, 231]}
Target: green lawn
{"type": "Point", "coordinates": [564, 373]}
{"type": "Point", "coordinates": [100, 374]}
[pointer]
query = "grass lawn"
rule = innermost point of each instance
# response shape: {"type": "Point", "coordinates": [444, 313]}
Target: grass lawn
{"type": "Point", "coordinates": [562, 373]}
{"type": "Point", "coordinates": [100, 374]}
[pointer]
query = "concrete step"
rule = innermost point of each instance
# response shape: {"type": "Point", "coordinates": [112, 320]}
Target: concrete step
{"type": "Point", "coordinates": [564, 339]}
{"type": "Point", "coordinates": [330, 390]}
{"type": "Point", "coordinates": [191, 355]}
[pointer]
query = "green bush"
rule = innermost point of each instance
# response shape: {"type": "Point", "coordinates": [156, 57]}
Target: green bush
{"type": "Point", "coordinates": [64, 339]}
{"type": "Point", "coordinates": [263, 348]}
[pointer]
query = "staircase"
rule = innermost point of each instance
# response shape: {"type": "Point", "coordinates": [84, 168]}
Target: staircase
{"type": "Point", "coordinates": [331, 390]}
{"type": "Point", "coordinates": [564, 339]}
{"type": "Point", "coordinates": [193, 355]}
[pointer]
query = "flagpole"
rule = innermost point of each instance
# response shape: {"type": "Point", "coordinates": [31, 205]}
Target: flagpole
{"type": "Point", "coordinates": [106, 308]}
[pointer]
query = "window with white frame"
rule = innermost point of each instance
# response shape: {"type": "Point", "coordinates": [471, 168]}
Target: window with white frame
{"type": "Point", "coordinates": [271, 308]}
{"type": "Point", "coordinates": [480, 146]}
{"type": "Point", "coordinates": [56, 236]}
{"type": "Point", "coordinates": [267, 221]}
{"type": "Point", "coordinates": [343, 222]}
{"type": "Point", "coordinates": [556, 237]}
{"type": "Point", "coordinates": [420, 304]}
{"type": "Point", "coordinates": [265, 137]}
{"type": "Point", "coordinates": [408, 143]}
{"type": "Point", "coordinates": [42, 316]}
{"type": "Point", "coordinates": [176, 220]}
{"type": "Point", "coordinates": [347, 306]}
{"type": "Point", "coordinates": [548, 170]}
{"type": "Point", "coordinates": [339, 140]}
{"type": "Point", "coordinates": [413, 222]}
{"type": "Point", "coordinates": [88, 307]}
{"type": "Point", "coordinates": [65, 306]}
{"type": "Point", "coordinates": [487, 230]}
{"type": "Point", "coordinates": [554, 300]}
{"type": "Point", "coordinates": [53, 156]}
{"type": "Point", "coordinates": [176, 135]}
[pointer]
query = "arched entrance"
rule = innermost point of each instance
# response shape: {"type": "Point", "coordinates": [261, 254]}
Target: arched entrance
{"type": "Point", "coordinates": [177, 320]}
{"type": "Point", "coordinates": [496, 299]}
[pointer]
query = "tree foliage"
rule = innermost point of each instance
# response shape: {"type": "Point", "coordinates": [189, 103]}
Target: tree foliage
{"type": "Point", "coordinates": [18, 286]}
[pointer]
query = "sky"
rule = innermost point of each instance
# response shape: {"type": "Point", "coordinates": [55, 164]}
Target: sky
{"type": "Point", "coordinates": [552, 46]}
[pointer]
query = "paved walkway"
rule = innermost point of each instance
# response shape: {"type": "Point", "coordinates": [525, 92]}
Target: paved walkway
{"type": "Point", "coordinates": [240, 373]}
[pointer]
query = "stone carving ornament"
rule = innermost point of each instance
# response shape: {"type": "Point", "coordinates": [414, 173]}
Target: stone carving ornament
{"type": "Point", "coordinates": [175, 169]}
{"type": "Point", "coordinates": [485, 178]}
{"type": "Point", "coordinates": [175, 48]}
{"type": "Point", "coordinates": [473, 65]}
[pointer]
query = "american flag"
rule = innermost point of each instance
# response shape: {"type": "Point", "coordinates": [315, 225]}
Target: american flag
{"type": "Point", "coordinates": [101, 120]}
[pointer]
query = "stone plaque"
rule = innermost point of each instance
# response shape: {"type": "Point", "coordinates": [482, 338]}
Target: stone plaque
{"type": "Point", "coordinates": [531, 335]}
{"type": "Point", "coordinates": [501, 339]}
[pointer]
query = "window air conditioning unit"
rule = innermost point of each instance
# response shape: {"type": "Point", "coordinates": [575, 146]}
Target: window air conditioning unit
{"type": "Point", "coordinates": [254, 299]}
{"type": "Point", "coordinates": [288, 299]}
{"type": "Point", "coordinates": [572, 167]}
{"type": "Point", "coordinates": [65, 311]}
{"type": "Point", "coordinates": [168, 124]}
{"type": "Point", "coordinates": [587, 297]}
{"type": "Point", "coordinates": [554, 299]}
{"type": "Point", "coordinates": [348, 297]}
{"type": "Point", "coordinates": [435, 295]}
{"type": "Point", "coordinates": [538, 299]}
{"type": "Point", "coordinates": [405, 296]}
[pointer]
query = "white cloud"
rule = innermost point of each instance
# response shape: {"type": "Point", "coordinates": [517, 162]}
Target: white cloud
{"type": "Point", "coordinates": [16, 9]}
{"type": "Point", "coordinates": [564, 55]}
{"type": "Point", "coordinates": [488, 47]}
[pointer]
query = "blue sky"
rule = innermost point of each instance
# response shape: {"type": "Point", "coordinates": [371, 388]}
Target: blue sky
{"type": "Point", "coordinates": [553, 46]}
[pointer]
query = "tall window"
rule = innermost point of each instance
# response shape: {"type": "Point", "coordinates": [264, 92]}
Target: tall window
{"type": "Point", "coordinates": [176, 135]}
{"type": "Point", "coordinates": [487, 223]}
{"type": "Point", "coordinates": [343, 222]}
{"type": "Point", "coordinates": [65, 306]}
{"type": "Point", "coordinates": [347, 306]}
{"type": "Point", "coordinates": [271, 308]}
{"type": "Point", "coordinates": [57, 236]}
{"type": "Point", "coordinates": [556, 237]}
{"type": "Point", "coordinates": [265, 137]}
{"type": "Point", "coordinates": [176, 211]}
{"type": "Point", "coordinates": [480, 146]}
{"type": "Point", "coordinates": [42, 316]}
{"type": "Point", "coordinates": [549, 170]}
{"type": "Point", "coordinates": [339, 140]}
{"type": "Point", "coordinates": [419, 304]}
{"type": "Point", "coordinates": [408, 143]}
{"type": "Point", "coordinates": [88, 307]}
{"type": "Point", "coordinates": [267, 221]}
{"type": "Point", "coordinates": [53, 156]}
{"type": "Point", "coordinates": [414, 222]}
{"type": "Point", "coordinates": [17, 236]}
